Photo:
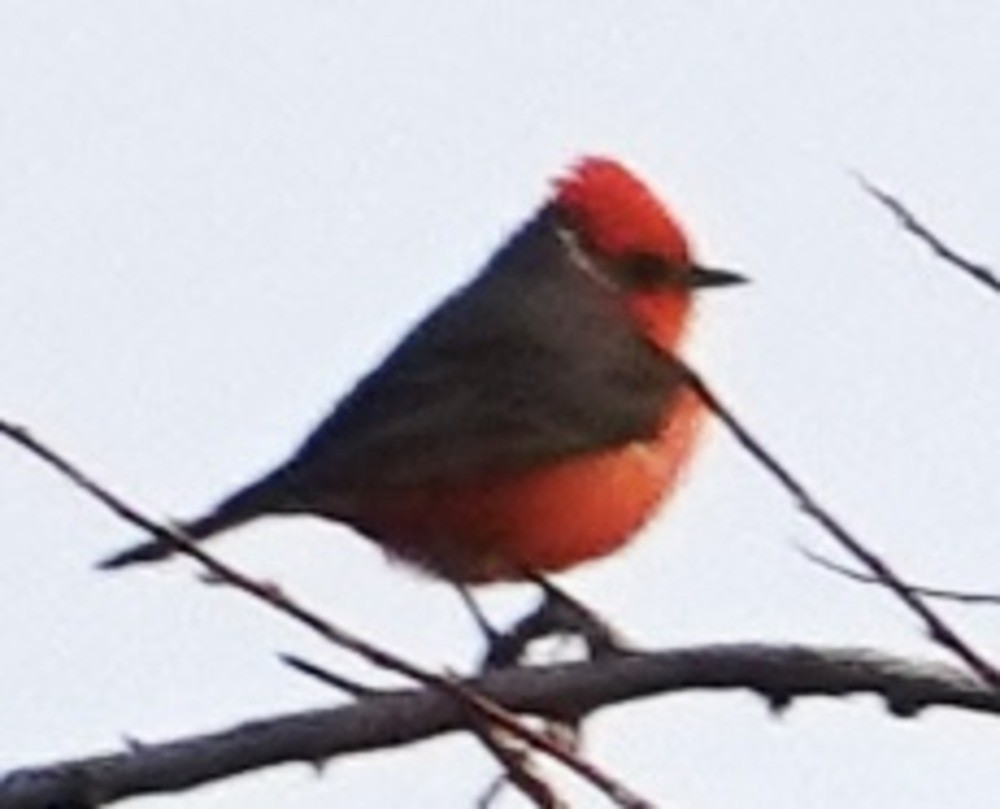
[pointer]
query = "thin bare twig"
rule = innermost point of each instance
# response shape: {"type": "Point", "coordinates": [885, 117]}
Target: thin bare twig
{"type": "Point", "coordinates": [271, 596]}
{"type": "Point", "coordinates": [518, 769]}
{"type": "Point", "coordinates": [502, 718]}
{"type": "Point", "coordinates": [516, 763]}
{"type": "Point", "coordinates": [938, 629]}
{"type": "Point", "coordinates": [350, 687]}
{"type": "Point", "coordinates": [980, 272]}
{"type": "Point", "coordinates": [958, 596]}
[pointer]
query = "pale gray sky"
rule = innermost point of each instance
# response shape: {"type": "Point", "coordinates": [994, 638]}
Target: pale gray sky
{"type": "Point", "coordinates": [214, 216]}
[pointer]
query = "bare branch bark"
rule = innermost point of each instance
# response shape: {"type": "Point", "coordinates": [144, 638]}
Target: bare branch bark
{"type": "Point", "coordinates": [268, 594]}
{"type": "Point", "coordinates": [938, 628]}
{"type": "Point", "coordinates": [980, 272]}
{"type": "Point", "coordinates": [779, 674]}
{"type": "Point", "coordinates": [964, 597]}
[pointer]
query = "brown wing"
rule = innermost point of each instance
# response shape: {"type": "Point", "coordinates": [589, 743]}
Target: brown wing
{"type": "Point", "coordinates": [533, 361]}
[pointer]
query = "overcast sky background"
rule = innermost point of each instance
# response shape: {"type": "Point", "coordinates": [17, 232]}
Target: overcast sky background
{"type": "Point", "coordinates": [215, 216]}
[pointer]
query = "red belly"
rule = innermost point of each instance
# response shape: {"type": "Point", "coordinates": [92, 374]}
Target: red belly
{"type": "Point", "coordinates": [543, 521]}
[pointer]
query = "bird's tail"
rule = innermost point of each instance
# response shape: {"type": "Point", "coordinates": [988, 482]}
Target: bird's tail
{"type": "Point", "coordinates": [266, 496]}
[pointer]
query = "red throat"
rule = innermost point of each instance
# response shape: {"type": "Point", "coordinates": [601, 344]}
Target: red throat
{"type": "Point", "coordinates": [617, 213]}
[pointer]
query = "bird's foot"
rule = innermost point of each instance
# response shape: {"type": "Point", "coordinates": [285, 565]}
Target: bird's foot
{"type": "Point", "coordinates": [558, 614]}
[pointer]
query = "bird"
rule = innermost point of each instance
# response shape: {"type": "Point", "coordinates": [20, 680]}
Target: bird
{"type": "Point", "coordinates": [533, 421]}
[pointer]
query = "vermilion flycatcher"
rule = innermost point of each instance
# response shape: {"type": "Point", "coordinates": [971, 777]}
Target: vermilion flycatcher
{"type": "Point", "coordinates": [531, 422]}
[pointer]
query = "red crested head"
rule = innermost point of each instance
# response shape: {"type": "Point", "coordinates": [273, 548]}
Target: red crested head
{"type": "Point", "coordinates": [646, 253]}
{"type": "Point", "coordinates": [617, 214]}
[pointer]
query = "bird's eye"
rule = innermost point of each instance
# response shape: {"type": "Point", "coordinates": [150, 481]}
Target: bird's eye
{"type": "Point", "coordinates": [648, 271]}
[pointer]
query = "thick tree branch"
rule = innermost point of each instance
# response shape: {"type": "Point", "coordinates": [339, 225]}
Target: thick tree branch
{"type": "Point", "coordinates": [779, 674]}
